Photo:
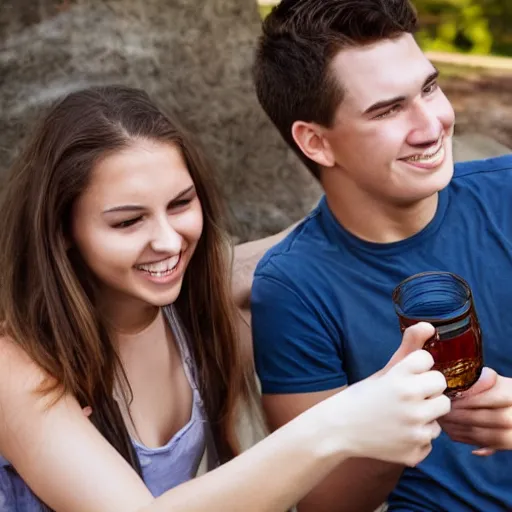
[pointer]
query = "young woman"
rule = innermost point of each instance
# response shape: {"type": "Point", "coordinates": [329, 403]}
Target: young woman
{"type": "Point", "coordinates": [114, 296]}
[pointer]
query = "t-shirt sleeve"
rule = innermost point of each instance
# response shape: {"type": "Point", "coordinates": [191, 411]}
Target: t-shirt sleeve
{"type": "Point", "coordinates": [296, 349]}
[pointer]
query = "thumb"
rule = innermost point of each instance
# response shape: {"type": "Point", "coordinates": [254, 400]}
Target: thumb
{"type": "Point", "coordinates": [413, 339]}
{"type": "Point", "coordinates": [486, 381]}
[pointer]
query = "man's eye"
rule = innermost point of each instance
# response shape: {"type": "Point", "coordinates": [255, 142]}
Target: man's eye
{"type": "Point", "coordinates": [127, 223]}
{"type": "Point", "coordinates": [392, 110]}
{"type": "Point", "coordinates": [430, 88]}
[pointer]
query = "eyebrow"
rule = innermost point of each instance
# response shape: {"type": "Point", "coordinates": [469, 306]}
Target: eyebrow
{"type": "Point", "coordinates": [138, 208]}
{"type": "Point", "coordinates": [398, 99]}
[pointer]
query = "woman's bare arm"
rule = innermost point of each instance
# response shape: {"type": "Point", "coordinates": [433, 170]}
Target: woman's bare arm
{"type": "Point", "coordinates": [68, 464]}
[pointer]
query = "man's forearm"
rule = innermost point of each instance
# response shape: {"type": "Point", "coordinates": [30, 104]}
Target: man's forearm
{"type": "Point", "coordinates": [357, 485]}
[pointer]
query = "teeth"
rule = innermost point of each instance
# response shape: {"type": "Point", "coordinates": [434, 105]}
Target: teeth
{"type": "Point", "coordinates": [425, 158]}
{"type": "Point", "coordinates": [161, 267]}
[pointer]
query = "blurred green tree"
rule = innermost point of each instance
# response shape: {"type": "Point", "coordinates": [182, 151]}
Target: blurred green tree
{"type": "Point", "coordinates": [470, 26]}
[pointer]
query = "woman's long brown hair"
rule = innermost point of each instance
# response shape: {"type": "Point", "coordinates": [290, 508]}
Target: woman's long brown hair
{"type": "Point", "coordinates": [47, 303]}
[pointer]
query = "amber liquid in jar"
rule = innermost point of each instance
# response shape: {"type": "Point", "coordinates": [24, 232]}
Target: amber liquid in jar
{"type": "Point", "coordinates": [457, 345]}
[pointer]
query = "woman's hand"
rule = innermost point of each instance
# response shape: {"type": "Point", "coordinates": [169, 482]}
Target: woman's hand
{"type": "Point", "coordinates": [392, 416]}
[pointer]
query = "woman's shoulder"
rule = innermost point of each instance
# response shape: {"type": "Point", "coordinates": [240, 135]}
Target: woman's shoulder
{"type": "Point", "coordinates": [24, 406]}
{"type": "Point", "coordinates": [16, 371]}
{"type": "Point", "coordinates": [16, 366]}
{"type": "Point", "coordinates": [21, 379]}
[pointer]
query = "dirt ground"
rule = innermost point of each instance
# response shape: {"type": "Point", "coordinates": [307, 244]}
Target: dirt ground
{"type": "Point", "coordinates": [482, 102]}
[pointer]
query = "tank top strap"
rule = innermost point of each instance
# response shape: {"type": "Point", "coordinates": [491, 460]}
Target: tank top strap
{"type": "Point", "coordinates": [190, 368]}
{"type": "Point", "coordinates": [183, 344]}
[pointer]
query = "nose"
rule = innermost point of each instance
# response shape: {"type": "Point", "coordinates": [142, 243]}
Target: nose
{"type": "Point", "coordinates": [165, 238]}
{"type": "Point", "coordinates": [427, 126]}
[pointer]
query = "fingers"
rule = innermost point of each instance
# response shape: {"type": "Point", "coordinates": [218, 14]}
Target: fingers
{"type": "Point", "coordinates": [498, 395]}
{"type": "Point", "coordinates": [416, 456]}
{"type": "Point", "coordinates": [428, 384]}
{"type": "Point", "coordinates": [413, 339]}
{"type": "Point", "coordinates": [484, 418]}
{"type": "Point", "coordinates": [491, 438]}
{"type": "Point", "coordinates": [422, 444]}
{"type": "Point", "coordinates": [435, 430]}
{"type": "Point", "coordinates": [419, 361]}
{"type": "Point", "coordinates": [427, 433]}
{"type": "Point", "coordinates": [487, 380]}
{"type": "Point", "coordinates": [468, 435]}
{"type": "Point", "coordinates": [437, 408]}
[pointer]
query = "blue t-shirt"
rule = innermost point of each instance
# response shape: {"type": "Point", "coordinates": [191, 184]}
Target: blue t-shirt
{"type": "Point", "coordinates": [323, 317]}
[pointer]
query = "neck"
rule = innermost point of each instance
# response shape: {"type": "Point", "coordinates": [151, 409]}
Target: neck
{"type": "Point", "coordinates": [127, 316]}
{"type": "Point", "coordinates": [372, 220]}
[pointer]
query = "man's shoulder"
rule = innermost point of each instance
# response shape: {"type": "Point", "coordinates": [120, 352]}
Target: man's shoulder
{"type": "Point", "coordinates": [299, 248]}
{"type": "Point", "coordinates": [484, 167]}
{"type": "Point", "coordinates": [486, 184]}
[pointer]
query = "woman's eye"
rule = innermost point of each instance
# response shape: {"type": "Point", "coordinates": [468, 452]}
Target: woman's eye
{"type": "Point", "coordinates": [180, 203]}
{"type": "Point", "coordinates": [127, 223]}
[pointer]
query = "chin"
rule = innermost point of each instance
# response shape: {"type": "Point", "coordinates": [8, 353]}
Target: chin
{"type": "Point", "coordinates": [164, 298]}
{"type": "Point", "coordinates": [444, 175]}
{"type": "Point", "coordinates": [439, 180]}
{"type": "Point", "coordinates": [426, 190]}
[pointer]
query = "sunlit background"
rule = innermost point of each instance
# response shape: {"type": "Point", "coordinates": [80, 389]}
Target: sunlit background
{"type": "Point", "coordinates": [471, 26]}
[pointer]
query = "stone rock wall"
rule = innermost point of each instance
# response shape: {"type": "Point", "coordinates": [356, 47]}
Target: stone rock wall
{"type": "Point", "coordinates": [192, 56]}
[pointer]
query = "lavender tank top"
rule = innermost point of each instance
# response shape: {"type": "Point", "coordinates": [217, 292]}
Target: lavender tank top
{"type": "Point", "coordinates": [162, 468]}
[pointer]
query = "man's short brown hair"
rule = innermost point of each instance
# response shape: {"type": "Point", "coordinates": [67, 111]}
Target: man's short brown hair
{"type": "Point", "coordinates": [300, 38]}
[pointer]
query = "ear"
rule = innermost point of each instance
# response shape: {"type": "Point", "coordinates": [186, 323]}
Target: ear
{"type": "Point", "coordinates": [311, 141]}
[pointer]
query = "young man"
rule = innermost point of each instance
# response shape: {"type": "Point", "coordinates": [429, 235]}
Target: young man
{"type": "Point", "coordinates": [352, 93]}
